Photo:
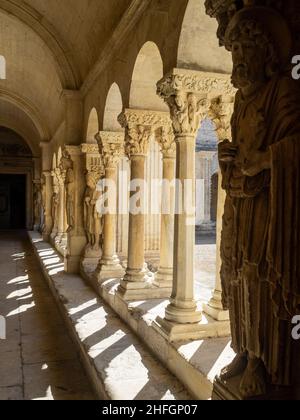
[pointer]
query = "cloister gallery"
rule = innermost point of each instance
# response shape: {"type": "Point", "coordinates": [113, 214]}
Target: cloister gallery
{"type": "Point", "coordinates": [149, 199]}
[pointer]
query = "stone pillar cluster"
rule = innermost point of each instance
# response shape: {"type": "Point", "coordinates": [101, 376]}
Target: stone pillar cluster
{"type": "Point", "coordinates": [111, 148]}
{"type": "Point", "coordinates": [83, 197]}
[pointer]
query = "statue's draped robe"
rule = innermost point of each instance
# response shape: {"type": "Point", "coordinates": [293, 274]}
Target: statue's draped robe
{"type": "Point", "coordinates": [261, 227]}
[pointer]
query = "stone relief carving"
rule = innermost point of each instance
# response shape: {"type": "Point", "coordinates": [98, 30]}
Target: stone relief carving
{"type": "Point", "coordinates": [111, 147]}
{"type": "Point", "coordinates": [43, 208]}
{"type": "Point", "coordinates": [140, 126]}
{"type": "Point", "coordinates": [37, 203]}
{"type": "Point", "coordinates": [188, 81]}
{"type": "Point", "coordinates": [260, 171]}
{"type": "Point", "coordinates": [92, 219]}
{"type": "Point", "coordinates": [66, 166]}
{"type": "Point", "coordinates": [186, 112]}
{"type": "Point", "coordinates": [165, 138]}
{"type": "Point", "coordinates": [220, 112]}
{"type": "Point", "coordinates": [55, 199]}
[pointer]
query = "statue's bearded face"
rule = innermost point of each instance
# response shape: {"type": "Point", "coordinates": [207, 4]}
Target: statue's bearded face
{"type": "Point", "coordinates": [248, 63]}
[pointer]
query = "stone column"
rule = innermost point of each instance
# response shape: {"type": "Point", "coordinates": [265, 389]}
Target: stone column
{"type": "Point", "coordinates": [47, 205]}
{"type": "Point", "coordinates": [111, 148]}
{"type": "Point", "coordinates": [72, 163]}
{"type": "Point", "coordinates": [137, 140]}
{"type": "Point", "coordinates": [139, 126]}
{"type": "Point", "coordinates": [164, 276]}
{"type": "Point", "coordinates": [220, 112]}
{"type": "Point", "coordinates": [187, 95]}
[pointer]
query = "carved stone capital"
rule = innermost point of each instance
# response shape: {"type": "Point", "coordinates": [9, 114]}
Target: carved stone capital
{"type": "Point", "coordinates": [89, 149]}
{"type": "Point", "coordinates": [73, 150]}
{"type": "Point", "coordinates": [111, 147]}
{"type": "Point", "coordinates": [165, 137]}
{"type": "Point", "coordinates": [188, 95]}
{"type": "Point", "coordinates": [220, 112]}
{"type": "Point", "coordinates": [139, 126]}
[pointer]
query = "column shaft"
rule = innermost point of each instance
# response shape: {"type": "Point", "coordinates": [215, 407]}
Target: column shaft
{"type": "Point", "coordinates": [164, 277]}
{"type": "Point", "coordinates": [183, 307]}
{"type": "Point", "coordinates": [136, 271]}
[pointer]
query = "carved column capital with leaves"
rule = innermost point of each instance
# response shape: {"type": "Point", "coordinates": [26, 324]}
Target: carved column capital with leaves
{"type": "Point", "coordinates": [139, 126]}
{"type": "Point", "coordinates": [220, 112]}
{"type": "Point", "coordinates": [111, 147]}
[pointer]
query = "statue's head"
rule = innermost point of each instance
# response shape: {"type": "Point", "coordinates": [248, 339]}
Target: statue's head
{"type": "Point", "coordinates": [260, 42]}
{"type": "Point", "coordinates": [66, 161]}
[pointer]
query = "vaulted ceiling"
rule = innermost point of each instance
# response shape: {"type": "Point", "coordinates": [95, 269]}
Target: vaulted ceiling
{"type": "Point", "coordinates": [50, 45]}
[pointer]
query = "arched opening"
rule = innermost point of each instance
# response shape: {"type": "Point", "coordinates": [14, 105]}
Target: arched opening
{"type": "Point", "coordinates": [15, 181]}
{"type": "Point", "coordinates": [148, 70]}
{"type": "Point", "coordinates": [198, 45]}
{"type": "Point", "coordinates": [2, 67]}
{"type": "Point", "coordinates": [113, 108]}
{"type": "Point", "coordinates": [206, 209]}
{"type": "Point", "coordinates": [93, 127]}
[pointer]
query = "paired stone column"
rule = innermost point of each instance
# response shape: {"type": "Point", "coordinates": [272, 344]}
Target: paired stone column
{"type": "Point", "coordinates": [140, 126]}
{"type": "Point", "coordinates": [220, 112]}
{"type": "Point", "coordinates": [111, 148]}
{"type": "Point", "coordinates": [137, 140]}
{"type": "Point", "coordinates": [164, 276]}
{"type": "Point", "coordinates": [72, 164]}
{"type": "Point", "coordinates": [188, 95]}
{"type": "Point", "coordinates": [46, 186]}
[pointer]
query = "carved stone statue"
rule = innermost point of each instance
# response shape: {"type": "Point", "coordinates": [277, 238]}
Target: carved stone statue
{"type": "Point", "coordinates": [66, 166]}
{"type": "Point", "coordinates": [55, 201]}
{"type": "Point", "coordinates": [37, 202]}
{"type": "Point", "coordinates": [92, 219]}
{"type": "Point", "coordinates": [261, 174]}
{"type": "Point", "coordinates": [43, 206]}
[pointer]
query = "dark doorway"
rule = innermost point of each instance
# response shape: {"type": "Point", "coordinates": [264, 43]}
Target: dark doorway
{"type": "Point", "coordinates": [12, 201]}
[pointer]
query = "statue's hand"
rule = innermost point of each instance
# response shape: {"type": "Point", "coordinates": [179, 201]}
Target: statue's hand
{"type": "Point", "coordinates": [227, 152]}
{"type": "Point", "coordinates": [259, 162]}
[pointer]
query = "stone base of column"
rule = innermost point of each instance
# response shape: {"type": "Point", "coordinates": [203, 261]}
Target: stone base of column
{"type": "Point", "coordinates": [206, 328]}
{"type": "Point", "coordinates": [183, 313]}
{"type": "Point", "coordinates": [109, 271]}
{"type": "Point", "coordinates": [215, 308]}
{"type": "Point", "coordinates": [90, 259]}
{"type": "Point", "coordinates": [131, 291]}
{"type": "Point", "coordinates": [164, 278]}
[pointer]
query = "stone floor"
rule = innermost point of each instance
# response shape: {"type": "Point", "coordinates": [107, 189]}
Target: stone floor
{"type": "Point", "coordinates": [37, 360]}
